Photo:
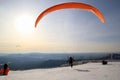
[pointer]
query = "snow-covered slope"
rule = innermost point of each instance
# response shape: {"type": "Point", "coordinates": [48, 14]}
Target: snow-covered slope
{"type": "Point", "coordinates": [89, 71]}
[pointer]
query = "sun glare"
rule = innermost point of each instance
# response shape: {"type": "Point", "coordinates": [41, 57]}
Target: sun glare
{"type": "Point", "coordinates": [24, 24]}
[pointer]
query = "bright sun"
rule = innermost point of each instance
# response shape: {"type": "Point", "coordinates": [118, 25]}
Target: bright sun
{"type": "Point", "coordinates": [24, 24]}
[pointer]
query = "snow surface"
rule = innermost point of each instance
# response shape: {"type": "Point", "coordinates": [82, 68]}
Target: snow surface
{"type": "Point", "coordinates": [89, 71]}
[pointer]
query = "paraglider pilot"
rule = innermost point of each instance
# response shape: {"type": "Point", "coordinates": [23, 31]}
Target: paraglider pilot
{"type": "Point", "coordinates": [70, 61]}
{"type": "Point", "coordinates": [4, 70]}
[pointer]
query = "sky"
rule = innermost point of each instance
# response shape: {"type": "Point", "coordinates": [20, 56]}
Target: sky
{"type": "Point", "coordinates": [68, 30]}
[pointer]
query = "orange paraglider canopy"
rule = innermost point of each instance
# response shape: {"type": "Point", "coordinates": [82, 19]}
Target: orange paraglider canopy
{"type": "Point", "coordinates": [76, 5]}
{"type": "Point", "coordinates": [6, 71]}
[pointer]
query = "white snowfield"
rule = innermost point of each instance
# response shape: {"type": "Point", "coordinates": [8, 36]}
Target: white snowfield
{"type": "Point", "coordinates": [89, 71]}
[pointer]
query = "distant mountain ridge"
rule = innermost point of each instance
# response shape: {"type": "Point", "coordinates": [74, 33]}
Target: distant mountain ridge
{"type": "Point", "coordinates": [44, 60]}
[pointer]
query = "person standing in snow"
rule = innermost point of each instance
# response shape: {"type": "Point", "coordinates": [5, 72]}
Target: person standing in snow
{"type": "Point", "coordinates": [70, 61]}
{"type": "Point", "coordinates": [4, 70]}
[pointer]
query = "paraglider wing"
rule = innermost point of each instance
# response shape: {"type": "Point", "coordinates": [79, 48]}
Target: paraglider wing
{"type": "Point", "coordinates": [75, 5]}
